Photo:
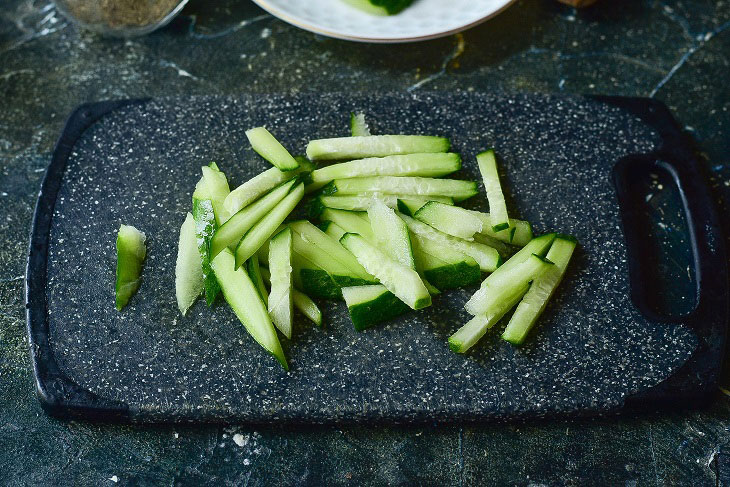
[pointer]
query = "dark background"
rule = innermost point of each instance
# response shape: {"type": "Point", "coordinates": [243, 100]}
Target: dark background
{"type": "Point", "coordinates": [676, 51]}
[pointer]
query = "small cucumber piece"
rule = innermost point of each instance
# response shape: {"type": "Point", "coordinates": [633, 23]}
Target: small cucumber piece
{"type": "Point", "coordinates": [401, 280]}
{"type": "Point", "coordinates": [374, 146]}
{"type": "Point", "coordinates": [455, 188]}
{"type": "Point", "coordinates": [281, 305]}
{"type": "Point", "coordinates": [245, 300]}
{"type": "Point", "coordinates": [362, 202]}
{"type": "Point", "coordinates": [271, 149]}
{"type": "Point", "coordinates": [541, 290]}
{"type": "Point", "coordinates": [443, 267]}
{"type": "Point", "coordinates": [351, 221]}
{"type": "Point", "coordinates": [188, 270]}
{"type": "Point", "coordinates": [368, 7]}
{"type": "Point", "coordinates": [254, 272]}
{"type": "Point", "coordinates": [538, 246]}
{"type": "Point", "coordinates": [217, 186]}
{"type": "Point", "coordinates": [473, 330]}
{"type": "Point", "coordinates": [370, 305]}
{"type": "Point", "coordinates": [358, 125]}
{"type": "Point", "coordinates": [260, 233]}
{"type": "Point", "coordinates": [497, 207]}
{"type": "Point", "coordinates": [425, 165]}
{"type": "Point", "coordinates": [391, 233]}
{"type": "Point", "coordinates": [505, 250]}
{"type": "Point", "coordinates": [451, 220]}
{"type": "Point", "coordinates": [205, 227]}
{"type": "Point", "coordinates": [131, 252]}
{"type": "Point", "coordinates": [302, 302]}
{"type": "Point", "coordinates": [334, 230]}
{"type": "Point", "coordinates": [518, 233]}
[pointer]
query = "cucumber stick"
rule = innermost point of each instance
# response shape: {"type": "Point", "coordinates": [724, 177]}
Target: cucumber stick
{"type": "Point", "coordinates": [237, 225]}
{"type": "Point", "coordinates": [351, 221]}
{"type": "Point", "coordinates": [271, 149]}
{"type": "Point", "coordinates": [374, 146]}
{"type": "Point", "coordinates": [425, 165]}
{"type": "Point", "coordinates": [245, 300]}
{"type": "Point", "coordinates": [302, 302]}
{"type": "Point", "coordinates": [358, 125]}
{"type": "Point", "coordinates": [205, 227]}
{"type": "Point", "coordinates": [538, 246]}
{"type": "Point", "coordinates": [188, 271]}
{"type": "Point", "coordinates": [262, 231]}
{"type": "Point", "coordinates": [254, 272]}
{"type": "Point", "coordinates": [451, 220]}
{"type": "Point", "coordinates": [518, 233]}
{"type": "Point", "coordinates": [487, 257]}
{"type": "Point", "coordinates": [541, 290]}
{"type": "Point", "coordinates": [281, 305]}
{"type": "Point", "coordinates": [391, 233]}
{"type": "Point", "coordinates": [455, 188]}
{"type": "Point", "coordinates": [443, 267]}
{"type": "Point", "coordinates": [473, 330]}
{"type": "Point", "coordinates": [369, 305]}
{"type": "Point", "coordinates": [131, 252]}
{"type": "Point", "coordinates": [334, 230]}
{"type": "Point", "coordinates": [497, 207]}
{"type": "Point", "coordinates": [361, 202]}
{"type": "Point", "coordinates": [401, 280]}
{"type": "Point", "coordinates": [217, 187]}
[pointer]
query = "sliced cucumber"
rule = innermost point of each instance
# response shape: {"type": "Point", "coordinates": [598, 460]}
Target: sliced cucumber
{"type": "Point", "coordinates": [391, 233]}
{"type": "Point", "coordinates": [374, 146]}
{"type": "Point", "coordinates": [368, 7]}
{"type": "Point", "coordinates": [254, 272]}
{"type": "Point", "coordinates": [358, 125]}
{"type": "Point", "coordinates": [236, 227]}
{"type": "Point", "coordinates": [451, 220]}
{"type": "Point", "coordinates": [505, 250]}
{"type": "Point", "coordinates": [302, 302]}
{"type": "Point", "coordinates": [188, 271]}
{"type": "Point", "coordinates": [497, 207]}
{"type": "Point", "coordinates": [334, 230]}
{"type": "Point", "coordinates": [259, 185]}
{"type": "Point", "coordinates": [487, 257]}
{"type": "Point", "coordinates": [271, 149]}
{"type": "Point", "coordinates": [218, 190]}
{"type": "Point", "coordinates": [401, 280]}
{"type": "Point", "coordinates": [455, 188]}
{"type": "Point", "coordinates": [361, 202]}
{"type": "Point", "coordinates": [351, 221]}
{"type": "Point", "coordinates": [541, 290]}
{"type": "Point", "coordinates": [243, 297]}
{"type": "Point", "coordinates": [518, 233]}
{"type": "Point", "coordinates": [473, 330]}
{"type": "Point", "coordinates": [443, 267]}
{"type": "Point", "coordinates": [205, 227]}
{"type": "Point", "coordinates": [538, 246]}
{"type": "Point", "coordinates": [281, 305]}
{"type": "Point", "coordinates": [369, 305]}
{"type": "Point", "coordinates": [425, 165]}
{"type": "Point", "coordinates": [505, 285]}
{"type": "Point", "coordinates": [262, 231]}
{"type": "Point", "coordinates": [131, 251]}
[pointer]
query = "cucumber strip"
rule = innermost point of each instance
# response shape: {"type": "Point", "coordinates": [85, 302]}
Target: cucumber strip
{"type": "Point", "coordinates": [131, 251]}
{"type": "Point", "coordinates": [358, 125]}
{"type": "Point", "coordinates": [312, 279]}
{"type": "Point", "coordinates": [497, 206]}
{"type": "Point", "coordinates": [455, 188]}
{"type": "Point", "coordinates": [505, 250]}
{"type": "Point", "coordinates": [262, 231]}
{"type": "Point", "coordinates": [451, 220]}
{"type": "Point", "coordinates": [243, 297]}
{"type": "Point", "coordinates": [368, 7]}
{"type": "Point", "coordinates": [281, 304]}
{"type": "Point", "coordinates": [326, 252]}
{"type": "Point", "coordinates": [188, 271]}
{"type": "Point", "coordinates": [259, 185]}
{"type": "Point", "coordinates": [302, 302]}
{"type": "Point", "coordinates": [236, 227]}
{"type": "Point", "coordinates": [351, 221]}
{"type": "Point", "coordinates": [391, 233]}
{"type": "Point", "coordinates": [361, 202]}
{"type": "Point", "coordinates": [370, 305]}
{"type": "Point", "coordinates": [518, 233]}
{"type": "Point", "coordinates": [218, 190]}
{"type": "Point", "coordinates": [401, 280]}
{"type": "Point", "coordinates": [254, 272]}
{"type": "Point", "coordinates": [443, 267]}
{"type": "Point", "coordinates": [271, 149]}
{"type": "Point", "coordinates": [538, 246]}
{"type": "Point", "coordinates": [374, 146]}
{"type": "Point", "coordinates": [425, 165]}
{"type": "Point", "coordinates": [541, 290]}
{"type": "Point", "coordinates": [205, 227]}
{"type": "Point", "coordinates": [334, 230]}
{"type": "Point", "coordinates": [505, 285]}
{"type": "Point", "coordinates": [487, 257]}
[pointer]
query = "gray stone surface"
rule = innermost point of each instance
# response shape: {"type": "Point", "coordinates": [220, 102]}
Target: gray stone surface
{"type": "Point", "coordinates": [676, 51]}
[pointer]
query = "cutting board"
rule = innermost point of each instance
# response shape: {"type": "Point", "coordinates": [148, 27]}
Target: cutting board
{"type": "Point", "coordinates": [569, 164]}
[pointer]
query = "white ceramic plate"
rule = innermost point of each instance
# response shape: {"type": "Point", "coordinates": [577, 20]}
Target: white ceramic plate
{"type": "Point", "coordinates": [425, 19]}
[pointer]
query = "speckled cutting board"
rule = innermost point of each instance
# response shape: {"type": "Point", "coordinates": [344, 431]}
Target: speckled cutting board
{"type": "Point", "coordinates": [137, 163]}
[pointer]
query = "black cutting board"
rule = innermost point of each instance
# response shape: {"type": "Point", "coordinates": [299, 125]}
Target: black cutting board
{"type": "Point", "coordinates": [568, 164]}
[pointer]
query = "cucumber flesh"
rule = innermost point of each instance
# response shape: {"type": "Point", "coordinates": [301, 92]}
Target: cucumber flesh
{"type": "Point", "coordinates": [237, 225]}
{"type": "Point", "coordinates": [451, 220]}
{"type": "Point", "coordinates": [254, 272]}
{"type": "Point", "coordinates": [538, 246]}
{"type": "Point", "coordinates": [218, 190]}
{"type": "Point", "coordinates": [401, 280]}
{"type": "Point", "coordinates": [302, 302]}
{"type": "Point", "coordinates": [281, 305]}
{"type": "Point", "coordinates": [335, 231]}
{"type": "Point", "coordinates": [131, 252]}
{"type": "Point", "coordinates": [374, 146]}
{"type": "Point", "coordinates": [541, 290]}
{"type": "Point", "coordinates": [188, 271]}
{"type": "Point", "coordinates": [505, 285]}
{"type": "Point", "coordinates": [455, 188]}
{"type": "Point", "coordinates": [271, 149]}
{"type": "Point", "coordinates": [243, 297]}
{"type": "Point", "coordinates": [362, 202]}
{"type": "Point", "coordinates": [497, 207]}
{"type": "Point", "coordinates": [370, 305]}
{"type": "Point", "coordinates": [443, 267]}
{"type": "Point", "coordinates": [505, 250]}
{"type": "Point", "coordinates": [262, 231]}
{"type": "Point", "coordinates": [358, 125]}
{"type": "Point", "coordinates": [368, 7]}
{"type": "Point", "coordinates": [351, 221]}
{"type": "Point", "coordinates": [487, 257]}
{"type": "Point", "coordinates": [391, 233]}
{"type": "Point", "coordinates": [205, 227]}
{"type": "Point", "coordinates": [425, 165]}
{"type": "Point", "coordinates": [518, 233]}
